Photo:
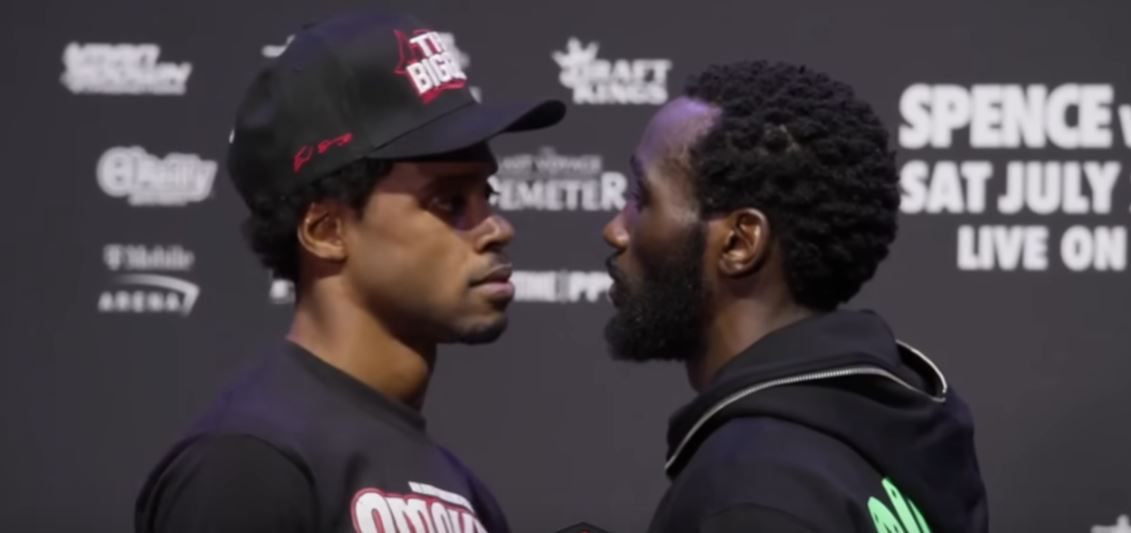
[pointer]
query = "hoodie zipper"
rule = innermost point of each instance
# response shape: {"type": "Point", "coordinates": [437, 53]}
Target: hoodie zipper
{"type": "Point", "coordinates": [813, 376]}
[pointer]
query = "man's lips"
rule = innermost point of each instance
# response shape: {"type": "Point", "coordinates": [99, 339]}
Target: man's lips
{"type": "Point", "coordinates": [496, 283]}
{"type": "Point", "coordinates": [615, 294]}
{"type": "Point", "coordinates": [499, 274]}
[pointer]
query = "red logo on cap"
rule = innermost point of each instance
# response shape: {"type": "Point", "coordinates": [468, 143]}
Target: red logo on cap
{"type": "Point", "coordinates": [429, 64]}
{"type": "Point", "coordinates": [307, 152]}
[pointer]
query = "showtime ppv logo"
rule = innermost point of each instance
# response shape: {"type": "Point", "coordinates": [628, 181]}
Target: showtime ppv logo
{"type": "Point", "coordinates": [548, 181]}
{"type": "Point", "coordinates": [554, 286]}
{"type": "Point", "coordinates": [147, 292]}
{"type": "Point", "coordinates": [427, 510]}
{"type": "Point", "coordinates": [430, 64]}
{"type": "Point", "coordinates": [147, 180]}
{"type": "Point", "coordinates": [97, 68]}
{"type": "Point", "coordinates": [560, 286]}
{"type": "Point", "coordinates": [603, 81]}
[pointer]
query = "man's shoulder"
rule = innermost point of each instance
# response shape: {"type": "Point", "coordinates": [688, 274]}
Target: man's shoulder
{"type": "Point", "coordinates": [769, 465]}
{"type": "Point", "coordinates": [764, 442]}
{"type": "Point", "coordinates": [214, 479]}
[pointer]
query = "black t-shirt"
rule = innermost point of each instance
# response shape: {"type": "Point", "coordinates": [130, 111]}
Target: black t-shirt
{"type": "Point", "coordinates": [297, 446]}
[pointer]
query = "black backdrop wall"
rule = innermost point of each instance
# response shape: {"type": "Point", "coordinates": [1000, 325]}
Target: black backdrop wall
{"type": "Point", "coordinates": [129, 295]}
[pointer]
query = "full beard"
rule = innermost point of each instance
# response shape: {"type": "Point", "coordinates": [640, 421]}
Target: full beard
{"type": "Point", "coordinates": [661, 317]}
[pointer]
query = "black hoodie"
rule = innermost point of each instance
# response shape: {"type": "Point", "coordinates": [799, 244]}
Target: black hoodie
{"type": "Point", "coordinates": [827, 425]}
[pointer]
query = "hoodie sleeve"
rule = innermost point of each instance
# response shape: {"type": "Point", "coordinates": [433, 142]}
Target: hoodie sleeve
{"type": "Point", "coordinates": [753, 518]}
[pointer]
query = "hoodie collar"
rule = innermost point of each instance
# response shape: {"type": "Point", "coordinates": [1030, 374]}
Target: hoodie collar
{"type": "Point", "coordinates": [814, 345]}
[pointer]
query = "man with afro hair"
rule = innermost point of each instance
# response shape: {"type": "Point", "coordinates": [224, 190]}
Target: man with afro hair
{"type": "Point", "coordinates": [761, 201]}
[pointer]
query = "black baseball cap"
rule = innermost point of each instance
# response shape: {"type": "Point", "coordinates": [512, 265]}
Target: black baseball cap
{"type": "Point", "coordinates": [370, 83]}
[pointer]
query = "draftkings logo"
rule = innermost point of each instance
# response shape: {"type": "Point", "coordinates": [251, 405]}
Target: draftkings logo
{"type": "Point", "coordinates": [603, 81]}
{"type": "Point", "coordinates": [560, 286]}
{"type": "Point", "coordinates": [143, 280]}
{"type": "Point", "coordinates": [549, 181]}
{"type": "Point", "coordinates": [144, 179]}
{"type": "Point", "coordinates": [425, 508]}
{"type": "Point", "coordinates": [98, 68]}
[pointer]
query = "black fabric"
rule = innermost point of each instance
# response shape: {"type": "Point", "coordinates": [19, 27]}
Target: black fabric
{"type": "Point", "coordinates": [849, 453]}
{"type": "Point", "coordinates": [753, 518]}
{"type": "Point", "coordinates": [232, 484]}
{"type": "Point", "coordinates": [331, 448]}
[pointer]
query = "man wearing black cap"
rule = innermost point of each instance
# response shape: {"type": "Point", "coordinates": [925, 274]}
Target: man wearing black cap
{"type": "Point", "coordinates": [363, 159]}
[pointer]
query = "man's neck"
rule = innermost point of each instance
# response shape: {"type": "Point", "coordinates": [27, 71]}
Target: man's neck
{"type": "Point", "coordinates": [343, 334]}
{"type": "Point", "coordinates": [735, 327]}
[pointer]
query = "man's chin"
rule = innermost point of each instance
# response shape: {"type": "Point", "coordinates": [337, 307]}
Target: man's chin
{"type": "Point", "coordinates": [482, 330]}
{"type": "Point", "coordinates": [626, 343]}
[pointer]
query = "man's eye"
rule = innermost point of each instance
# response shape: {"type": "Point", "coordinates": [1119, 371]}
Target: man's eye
{"type": "Point", "coordinates": [452, 205]}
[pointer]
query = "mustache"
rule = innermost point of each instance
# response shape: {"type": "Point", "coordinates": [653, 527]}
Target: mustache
{"type": "Point", "coordinates": [614, 272]}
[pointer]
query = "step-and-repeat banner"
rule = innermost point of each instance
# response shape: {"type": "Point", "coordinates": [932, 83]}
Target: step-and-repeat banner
{"type": "Point", "coordinates": [131, 297]}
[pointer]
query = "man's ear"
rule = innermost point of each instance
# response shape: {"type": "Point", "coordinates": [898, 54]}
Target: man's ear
{"type": "Point", "coordinates": [321, 231]}
{"type": "Point", "coordinates": [747, 243]}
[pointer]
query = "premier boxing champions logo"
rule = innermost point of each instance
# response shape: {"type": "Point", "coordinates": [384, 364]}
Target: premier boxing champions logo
{"type": "Point", "coordinates": [147, 180]}
{"type": "Point", "coordinates": [603, 81]}
{"type": "Point", "coordinates": [143, 283]}
{"type": "Point", "coordinates": [426, 509]}
{"type": "Point", "coordinates": [428, 62]}
{"type": "Point", "coordinates": [133, 69]}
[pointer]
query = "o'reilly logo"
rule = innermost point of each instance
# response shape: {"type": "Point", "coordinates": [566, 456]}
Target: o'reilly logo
{"type": "Point", "coordinates": [144, 179]}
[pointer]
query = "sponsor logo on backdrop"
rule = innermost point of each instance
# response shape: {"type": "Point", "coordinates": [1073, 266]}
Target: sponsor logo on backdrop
{"type": "Point", "coordinates": [272, 51]}
{"type": "Point", "coordinates": [130, 69]}
{"type": "Point", "coordinates": [281, 292]}
{"type": "Point", "coordinates": [425, 508]}
{"type": "Point", "coordinates": [553, 286]}
{"type": "Point", "coordinates": [144, 179]}
{"type": "Point", "coordinates": [549, 181]}
{"type": "Point", "coordinates": [594, 80]}
{"type": "Point", "coordinates": [1121, 525]}
{"type": "Point", "coordinates": [148, 279]}
{"type": "Point", "coordinates": [561, 286]}
{"type": "Point", "coordinates": [1025, 166]}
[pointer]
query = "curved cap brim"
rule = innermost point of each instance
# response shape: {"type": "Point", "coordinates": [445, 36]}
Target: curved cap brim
{"type": "Point", "coordinates": [470, 125]}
